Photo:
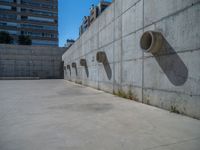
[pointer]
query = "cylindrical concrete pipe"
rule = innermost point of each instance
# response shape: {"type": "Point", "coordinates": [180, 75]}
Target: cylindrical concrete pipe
{"type": "Point", "coordinates": [68, 67]}
{"type": "Point", "coordinates": [101, 57]}
{"type": "Point", "coordinates": [151, 41]}
{"type": "Point", "coordinates": [82, 62]}
{"type": "Point", "coordinates": [64, 67]}
{"type": "Point", "coordinates": [73, 65]}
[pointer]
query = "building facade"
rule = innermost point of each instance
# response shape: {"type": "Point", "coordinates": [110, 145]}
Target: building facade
{"type": "Point", "coordinates": [85, 24]}
{"type": "Point", "coordinates": [151, 55]}
{"type": "Point", "coordinates": [69, 43]}
{"type": "Point", "coordinates": [95, 11]}
{"type": "Point", "coordinates": [35, 18]}
{"type": "Point", "coordinates": [102, 6]}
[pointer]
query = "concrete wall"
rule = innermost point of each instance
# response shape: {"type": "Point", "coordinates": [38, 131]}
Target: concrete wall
{"type": "Point", "coordinates": [170, 79]}
{"type": "Point", "coordinates": [30, 61]}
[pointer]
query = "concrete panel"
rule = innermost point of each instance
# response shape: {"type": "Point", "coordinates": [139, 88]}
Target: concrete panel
{"type": "Point", "coordinates": [132, 73]}
{"type": "Point", "coordinates": [109, 52]}
{"type": "Point", "coordinates": [131, 48]}
{"type": "Point", "coordinates": [94, 28]}
{"type": "Point", "coordinates": [133, 91]}
{"type": "Point", "coordinates": [128, 21]}
{"type": "Point", "coordinates": [102, 21]}
{"type": "Point", "coordinates": [93, 74]}
{"type": "Point", "coordinates": [117, 75]}
{"type": "Point", "coordinates": [85, 37]}
{"type": "Point", "coordinates": [177, 72]}
{"type": "Point", "coordinates": [92, 84]}
{"type": "Point", "coordinates": [109, 14]}
{"type": "Point", "coordinates": [132, 19]}
{"type": "Point", "coordinates": [175, 102]}
{"type": "Point", "coordinates": [108, 87]}
{"type": "Point", "coordinates": [94, 42]}
{"type": "Point", "coordinates": [91, 59]}
{"type": "Point", "coordinates": [155, 10]}
{"type": "Point", "coordinates": [180, 30]}
{"type": "Point", "coordinates": [106, 36]}
{"type": "Point", "coordinates": [85, 49]}
{"type": "Point", "coordinates": [117, 50]}
{"type": "Point", "coordinates": [127, 4]}
{"type": "Point", "coordinates": [118, 28]}
{"type": "Point", "coordinates": [105, 73]}
{"type": "Point", "coordinates": [118, 8]}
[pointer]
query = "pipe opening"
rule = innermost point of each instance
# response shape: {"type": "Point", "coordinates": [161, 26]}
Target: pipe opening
{"type": "Point", "coordinates": [64, 68]}
{"type": "Point", "coordinates": [73, 65]}
{"type": "Point", "coordinates": [146, 41]}
{"type": "Point", "coordinates": [83, 62]}
{"type": "Point", "coordinates": [101, 57]}
{"type": "Point", "coordinates": [68, 67]}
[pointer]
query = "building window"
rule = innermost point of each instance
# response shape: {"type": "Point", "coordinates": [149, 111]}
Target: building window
{"type": "Point", "coordinates": [39, 27]}
{"type": "Point", "coordinates": [8, 16]}
{"type": "Point", "coordinates": [8, 1]}
{"type": "Point", "coordinates": [40, 19]}
{"type": "Point", "coordinates": [2, 7]}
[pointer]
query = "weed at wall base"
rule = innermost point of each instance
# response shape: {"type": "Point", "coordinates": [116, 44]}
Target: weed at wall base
{"type": "Point", "coordinates": [128, 95]}
{"type": "Point", "coordinates": [174, 110]}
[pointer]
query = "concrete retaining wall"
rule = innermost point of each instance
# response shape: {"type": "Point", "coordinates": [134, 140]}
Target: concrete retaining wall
{"type": "Point", "coordinates": [30, 61]}
{"type": "Point", "coordinates": [169, 79]}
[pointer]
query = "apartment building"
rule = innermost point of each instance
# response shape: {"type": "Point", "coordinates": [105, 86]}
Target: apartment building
{"type": "Point", "coordinates": [95, 11]}
{"type": "Point", "coordinates": [69, 43]}
{"type": "Point", "coordinates": [35, 18]}
{"type": "Point", "coordinates": [102, 6]}
{"type": "Point", "coordinates": [85, 24]}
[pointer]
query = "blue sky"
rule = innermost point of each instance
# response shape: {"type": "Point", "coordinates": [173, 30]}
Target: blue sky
{"type": "Point", "coordinates": [70, 14]}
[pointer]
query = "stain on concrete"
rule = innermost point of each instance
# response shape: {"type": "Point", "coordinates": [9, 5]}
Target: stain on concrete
{"type": "Point", "coordinates": [90, 107]}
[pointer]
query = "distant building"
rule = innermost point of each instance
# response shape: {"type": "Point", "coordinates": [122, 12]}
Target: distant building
{"type": "Point", "coordinates": [69, 43]}
{"type": "Point", "coordinates": [102, 6]}
{"type": "Point", "coordinates": [95, 11]}
{"type": "Point", "coordinates": [85, 24]}
{"type": "Point", "coordinates": [35, 18]}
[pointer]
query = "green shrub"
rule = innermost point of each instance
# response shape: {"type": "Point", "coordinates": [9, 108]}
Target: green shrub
{"type": "Point", "coordinates": [24, 40]}
{"type": "Point", "coordinates": [5, 38]}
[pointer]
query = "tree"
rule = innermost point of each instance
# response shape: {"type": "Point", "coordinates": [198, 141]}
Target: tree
{"type": "Point", "coordinates": [5, 38]}
{"type": "Point", "coordinates": [24, 40]}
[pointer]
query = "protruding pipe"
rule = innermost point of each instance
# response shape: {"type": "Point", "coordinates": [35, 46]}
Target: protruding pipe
{"type": "Point", "coordinates": [73, 65]}
{"type": "Point", "coordinates": [101, 57]}
{"type": "Point", "coordinates": [82, 62]}
{"type": "Point", "coordinates": [151, 41]}
{"type": "Point", "coordinates": [68, 67]}
{"type": "Point", "coordinates": [64, 67]}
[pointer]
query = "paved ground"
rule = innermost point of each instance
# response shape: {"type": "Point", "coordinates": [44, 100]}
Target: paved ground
{"type": "Point", "coordinates": [58, 115]}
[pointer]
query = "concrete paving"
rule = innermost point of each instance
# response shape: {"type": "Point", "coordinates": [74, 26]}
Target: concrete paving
{"type": "Point", "coordinates": [59, 115]}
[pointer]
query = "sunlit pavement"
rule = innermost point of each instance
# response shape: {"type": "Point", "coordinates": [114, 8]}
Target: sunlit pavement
{"type": "Point", "coordinates": [59, 115]}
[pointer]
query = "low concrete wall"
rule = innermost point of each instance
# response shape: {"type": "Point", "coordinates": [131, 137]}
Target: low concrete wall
{"type": "Point", "coordinates": [30, 61]}
{"type": "Point", "coordinates": [169, 79]}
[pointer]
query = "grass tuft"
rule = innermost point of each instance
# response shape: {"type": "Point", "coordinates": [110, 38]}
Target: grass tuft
{"type": "Point", "coordinates": [128, 95]}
